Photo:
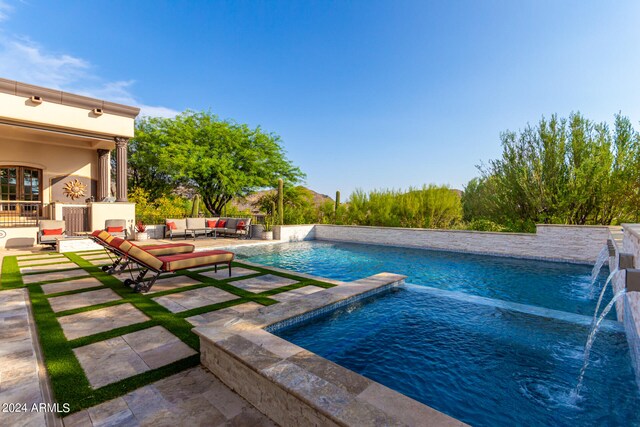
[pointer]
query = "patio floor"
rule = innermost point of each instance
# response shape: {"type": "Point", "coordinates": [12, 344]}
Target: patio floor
{"type": "Point", "coordinates": [134, 355]}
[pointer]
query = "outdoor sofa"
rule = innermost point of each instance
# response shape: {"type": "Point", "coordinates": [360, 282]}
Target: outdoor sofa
{"type": "Point", "coordinates": [194, 227]}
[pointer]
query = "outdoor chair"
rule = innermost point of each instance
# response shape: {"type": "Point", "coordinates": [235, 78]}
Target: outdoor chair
{"type": "Point", "coordinates": [116, 227]}
{"type": "Point", "coordinates": [119, 247]}
{"type": "Point", "coordinates": [232, 226]}
{"type": "Point", "coordinates": [159, 265]}
{"type": "Point", "coordinates": [49, 230]}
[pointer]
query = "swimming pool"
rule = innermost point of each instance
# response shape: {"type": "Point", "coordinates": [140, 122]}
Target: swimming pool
{"type": "Point", "coordinates": [480, 363]}
{"type": "Point", "coordinates": [558, 286]}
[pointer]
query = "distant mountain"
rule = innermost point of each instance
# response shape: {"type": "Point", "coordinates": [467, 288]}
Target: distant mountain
{"type": "Point", "coordinates": [246, 203]}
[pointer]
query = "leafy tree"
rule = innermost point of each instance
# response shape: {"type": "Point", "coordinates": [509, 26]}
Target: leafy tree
{"type": "Point", "coordinates": [144, 150]}
{"type": "Point", "coordinates": [221, 159]}
{"type": "Point", "coordinates": [568, 171]}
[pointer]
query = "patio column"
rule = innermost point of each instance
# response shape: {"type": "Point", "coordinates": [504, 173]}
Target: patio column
{"type": "Point", "coordinates": [104, 174]}
{"type": "Point", "coordinates": [121, 168]}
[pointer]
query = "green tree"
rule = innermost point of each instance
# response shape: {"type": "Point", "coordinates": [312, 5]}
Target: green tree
{"type": "Point", "coordinates": [220, 159]}
{"type": "Point", "coordinates": [568, 171]}
{"type": "Point", "coordinates": [144, 150]}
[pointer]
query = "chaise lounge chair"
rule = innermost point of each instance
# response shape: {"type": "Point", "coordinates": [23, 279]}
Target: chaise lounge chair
{"type": "Point", "coordinates": [120, 247]}
{"type": "Point", "coordinates": [161, 264]}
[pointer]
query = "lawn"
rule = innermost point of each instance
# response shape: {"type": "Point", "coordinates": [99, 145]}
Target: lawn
{"type": "Point", "coordinates": [70, 382]}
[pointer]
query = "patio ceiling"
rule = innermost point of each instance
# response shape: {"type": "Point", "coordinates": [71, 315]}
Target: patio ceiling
{"type": "Point", "coordinates": [17, 132]}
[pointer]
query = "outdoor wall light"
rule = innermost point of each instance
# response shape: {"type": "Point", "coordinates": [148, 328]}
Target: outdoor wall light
{"type": "Point", "coordinates": [36, 99]}
{"type": "Point", "coordinates": [97, 111]}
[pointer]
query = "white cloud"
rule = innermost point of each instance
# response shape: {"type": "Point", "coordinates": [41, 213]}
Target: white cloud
{"type": "Point", "coordinates": [26, 61]}
{"type": "Point", "coordinates": [5, 9]}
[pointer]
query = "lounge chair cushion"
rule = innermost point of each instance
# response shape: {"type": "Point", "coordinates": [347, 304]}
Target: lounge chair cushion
{"type": "Point", "coordinates": [197, 259]}
{"type": "Point", "coordinates": [169, 249]}
{"type": "Point", "coordinates": [145, 257]}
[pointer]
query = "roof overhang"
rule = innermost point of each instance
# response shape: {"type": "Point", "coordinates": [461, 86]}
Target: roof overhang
{"type": "Point", "coordinates": [33, 110]}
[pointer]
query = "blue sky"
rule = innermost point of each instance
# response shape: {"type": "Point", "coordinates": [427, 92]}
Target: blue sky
{"type": "Point", "coordinates": [365, 94]}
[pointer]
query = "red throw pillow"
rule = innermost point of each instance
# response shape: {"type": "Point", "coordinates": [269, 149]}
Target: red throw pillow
{"type": "Point", "coordinates": [52, 232]}
{"type": "Point", "coordinates": [240, 226]}
{"type": "Point", "coordinates": [220, 223]}
{"type": "Point", "coordinates": [172, 225]}
{"type": "Point", "coordinates": [211, 224]}
{"type": "Point", "coordinates": [115, 229]}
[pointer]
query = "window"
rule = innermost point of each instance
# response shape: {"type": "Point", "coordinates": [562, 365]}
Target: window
{"type": "Point", "coordinates": [20, 185]}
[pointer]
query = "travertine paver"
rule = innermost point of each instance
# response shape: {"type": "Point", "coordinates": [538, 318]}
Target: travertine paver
{"type": "Point", "coordinates": [263, 283]}
{"type": "Point", "coordinates": [223, 273]}
{"type": "Point", "coordinates": [71, 285]}
{"type": "Point", "coordinates": [83, 299]}
{"type": "Point", "coordinates": [101, 320]}
{"type": "Point", "coordinates": [95, 256]}
{"type": "Point", "coordinates": [102, 261]}
{"type": "Point", "coordinates": [296, 293]}
{"type": "Point", "coordinates": [195, 298]}
{"type": "Point", "coordinates": [172, 283]}
{"type": "Point", "coordinates": [56, 275]}
{"type": "Point", "coordinates": [190, 398]}
{"type": "Point", "coordinates": [19, 382]}
{"type": "Point", "coordinates": [115, 359]}
{"type": "Point", "coordinates": [43, 268]}
{"type": "Point", "coordinates": [226, 313]}
{"type": "Point", "coordinates": [42, 261]}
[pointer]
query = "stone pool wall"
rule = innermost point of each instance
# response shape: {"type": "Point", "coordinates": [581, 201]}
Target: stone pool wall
{"type": "Point", "coordinates": [550, 242]}
{"type": "Point", "coordinates": [628, 308]}
{"type": "Point", "coordinates": [293, 386]}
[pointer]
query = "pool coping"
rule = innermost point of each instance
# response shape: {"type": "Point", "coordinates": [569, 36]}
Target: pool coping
{"type": "Point", "coordinates": [293, 386]}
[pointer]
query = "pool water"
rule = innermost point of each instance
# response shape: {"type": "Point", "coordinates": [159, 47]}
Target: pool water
{"type": "Point", "coordinates": [482, 364]}
{"type": "Point", "coordinates": [558, 286]}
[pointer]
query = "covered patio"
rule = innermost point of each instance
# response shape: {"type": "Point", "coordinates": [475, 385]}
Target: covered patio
{"type": "Point", "coordinates": [55, 161]}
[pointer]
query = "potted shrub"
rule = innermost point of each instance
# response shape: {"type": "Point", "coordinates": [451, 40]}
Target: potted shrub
{"type": "Point", "coordinates": [141, 231]}
{"type": "Point", "coordinates": [267, 233]}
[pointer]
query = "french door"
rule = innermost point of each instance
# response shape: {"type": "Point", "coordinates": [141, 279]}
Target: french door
{"type": "Point", "coordinates": [20, 191]}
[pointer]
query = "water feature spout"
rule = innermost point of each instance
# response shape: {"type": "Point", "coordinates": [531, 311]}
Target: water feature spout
{"type": "Point", "coordinates": [625, 261]}
{"type": "Point", "coordinates": [592, 337]}
{"type": "Point", "coordinates": [604, 288]}
{"type": "Point", "coordinates": [632, 281]}
{"type": "Point", "coordinates": [600, 260]}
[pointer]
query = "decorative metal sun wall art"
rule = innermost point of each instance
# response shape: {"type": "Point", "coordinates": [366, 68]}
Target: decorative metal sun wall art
{"type": "Point", "coordinates": [74, 189]}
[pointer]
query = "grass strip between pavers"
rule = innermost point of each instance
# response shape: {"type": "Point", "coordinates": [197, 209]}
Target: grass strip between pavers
{"type": "Point", "coordinates": [69, 382]}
